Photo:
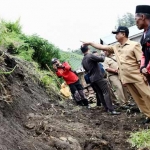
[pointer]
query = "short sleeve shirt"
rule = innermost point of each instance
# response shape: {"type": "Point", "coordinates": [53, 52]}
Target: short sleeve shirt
{"type": "Point", "coordinates": [128, 56]}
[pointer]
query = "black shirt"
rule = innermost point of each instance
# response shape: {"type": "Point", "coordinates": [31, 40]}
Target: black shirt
{"type": "Point", "coordinates": [91, 66]}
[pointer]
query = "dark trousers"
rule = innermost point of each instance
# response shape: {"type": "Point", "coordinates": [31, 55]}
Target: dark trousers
{"type": "Point", "coordinates": [99, 96]}
{"type": "Point", "coordinates": [77, 92]}
{"type": "Point", "coordinates": [102, 89]}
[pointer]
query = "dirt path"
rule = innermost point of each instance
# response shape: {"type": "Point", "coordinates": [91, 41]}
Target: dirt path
{"type": "Point", "coordinates": [92, 128]}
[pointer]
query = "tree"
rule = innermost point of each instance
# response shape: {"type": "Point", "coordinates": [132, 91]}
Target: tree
{"type": "Point", "coordinates": [126, 20]}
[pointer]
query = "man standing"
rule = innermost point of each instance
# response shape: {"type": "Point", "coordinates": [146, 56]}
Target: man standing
{"type": "Point", "coordinates": [111, 66]}
{"type": "Point", "coordinates": [91, 66]}
{"type": "Point", "coordinates": [112, 95]}
{"type": "Point", "coordinates": [64, 70]}
{"type": "Point", "coordinates": [142, 18]}
{"type": "Point", "coordinates": [128, 55]}
{"type": "Point", "coordinates": [100, 64]}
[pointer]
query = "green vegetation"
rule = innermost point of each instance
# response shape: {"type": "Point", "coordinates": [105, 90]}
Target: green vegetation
{"type": "Point", "coordinates": [7, 72]}
{"type": "Point", "coordinates": [27, 47]}
{"type": "Point", "coordinates": [126, 20]}
{"type": "Point", "coordinates": [30, 48]}
{"type": "Point", "coordinates": [43, 50]}
{"type": "Point", "coordinates": [73, 59]}
{"type": "Point", "coordinates": [140, 139]}
{"type": "Point", "coordinates": [35, 49]}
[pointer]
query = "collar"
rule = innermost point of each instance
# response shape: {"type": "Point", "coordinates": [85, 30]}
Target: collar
{"type": "Point", "coordinates": [85, 54]}
{"type": "Point", "coordinates": [126, 43]}
{"type": "Point", "coordinates": [111, 55]}
{"type": "Point", "coordinates": [147, 29]}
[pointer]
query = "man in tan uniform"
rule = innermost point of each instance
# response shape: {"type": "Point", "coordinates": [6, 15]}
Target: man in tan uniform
{"type": "Point", "coordinates": [111, 66]}
{"type": "Point", "coordinates": [128, 55]}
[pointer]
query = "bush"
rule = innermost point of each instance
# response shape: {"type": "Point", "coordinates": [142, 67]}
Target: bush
{"type": "Point", "coordinates": [43, 50]}
{"type": "Point", "coordinates": [26, 54]}
{"type": "Point", "coordinates": [10, 37]}
{"type": "Point", "coordinates": [27, 47]}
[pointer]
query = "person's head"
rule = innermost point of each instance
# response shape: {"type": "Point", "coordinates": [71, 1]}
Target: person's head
{"type": "Point", "coordinates": [142, 16]}
{"type": "Point", "coordinates": [84, 49]}
{"type": "Point", "coordinates": [121, 33]}
{"type": "Point", "coordinates": [95, 53]}
{"type": "Point", "coordinates": [55, 62]}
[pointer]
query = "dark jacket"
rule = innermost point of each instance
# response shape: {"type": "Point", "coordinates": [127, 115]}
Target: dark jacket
{"type": "Point", "coordinates": [90, 63]}
{"type": "Point", "coordinates": [145, 42]}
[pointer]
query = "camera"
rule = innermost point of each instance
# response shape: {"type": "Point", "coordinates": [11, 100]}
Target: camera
{"type": "Point", "coordinates": [57, 65]}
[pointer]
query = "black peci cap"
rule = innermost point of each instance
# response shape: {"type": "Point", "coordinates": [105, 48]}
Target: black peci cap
{"type": "Point", "coordinates": [143, 9]}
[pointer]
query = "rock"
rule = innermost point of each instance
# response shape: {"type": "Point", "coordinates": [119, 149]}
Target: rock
{"type": "Point", "coordinates": [30, 125]}
{"type": "Point", "coordinates": [67, 143]}
{"type": "Point", "coordinates": [63, 138]}
{"type": "Point", "coordinates": [104, 142]}
{"type": "Point", "coordinates": [30, 115]}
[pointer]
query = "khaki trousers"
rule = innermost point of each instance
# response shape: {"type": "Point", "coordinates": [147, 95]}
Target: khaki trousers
{"type": "Point", "coordinates": [120, 90]}
{"type": "Point", "coordinates": [140, 92]}
{"type": "Point", "coordinates": [112, 94]}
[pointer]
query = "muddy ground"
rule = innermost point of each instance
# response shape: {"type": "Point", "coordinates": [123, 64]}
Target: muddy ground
{"type": "Point", "coordinates": [30, 119]}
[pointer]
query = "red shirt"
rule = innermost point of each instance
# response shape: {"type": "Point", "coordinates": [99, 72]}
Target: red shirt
{"type": "Point", "coordinates": [69, 76]}
{"type": "Point", "coordinates": [143, 63]}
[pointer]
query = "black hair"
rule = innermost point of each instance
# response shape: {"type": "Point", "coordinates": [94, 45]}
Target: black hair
{"type": "Point", "coordinates": [94, 52]}
{"type": "Point", "coordinates": [84, 48]}
{"type": "Point", "coordinates": [145, 14]}
{"type": "Point", "coordinates": [126, 34]}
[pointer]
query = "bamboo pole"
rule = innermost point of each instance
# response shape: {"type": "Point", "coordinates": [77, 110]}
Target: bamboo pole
{"type": "Point", "coordinates": [9, 71]}
{"type": "Point", "coordinates": [51, 72]}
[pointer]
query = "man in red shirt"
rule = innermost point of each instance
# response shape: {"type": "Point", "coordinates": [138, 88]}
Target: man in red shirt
{"type": "Point", "coordinates": [64, 70]}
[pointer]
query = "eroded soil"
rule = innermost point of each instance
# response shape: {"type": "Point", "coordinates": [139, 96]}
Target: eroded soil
{"type": "Point", "coordinates": [30, 119]}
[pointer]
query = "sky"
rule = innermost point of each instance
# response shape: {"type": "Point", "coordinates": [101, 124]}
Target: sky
{"type": "Point", "coordinates": [65, 22]}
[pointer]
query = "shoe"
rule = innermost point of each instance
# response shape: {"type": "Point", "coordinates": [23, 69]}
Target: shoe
{"type": "Point", "coordinates": [114, 113]}
{"type": "Point", "coordinates": [147, 120]}
{"type": "Point", "coordinates": [88, 106]}
{"type": "Point", "coordinates": [131, 104]}
{"type": "Point", "coordinates": [124, 107]}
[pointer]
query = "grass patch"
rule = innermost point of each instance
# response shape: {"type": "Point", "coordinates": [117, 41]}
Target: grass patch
{"type": "Point", "coordinates": [140, 139]}
{"type": "Point", "coordinates": [26, 54]}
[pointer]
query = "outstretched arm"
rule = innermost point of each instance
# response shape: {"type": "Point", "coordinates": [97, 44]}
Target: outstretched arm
{"type": "Point", "coordinates": [98, 58]}
{"type": "Point", "coordinates": [98, 46]}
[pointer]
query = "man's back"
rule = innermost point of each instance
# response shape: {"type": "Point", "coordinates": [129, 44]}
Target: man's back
{"type": "Point", "coordinates": [90, 64]}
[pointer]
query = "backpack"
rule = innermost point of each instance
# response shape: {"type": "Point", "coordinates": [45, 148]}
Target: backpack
{"type": "Point", "coordinates": [87, 78]}
{"type": "Point", "coordinates": [102, 70]}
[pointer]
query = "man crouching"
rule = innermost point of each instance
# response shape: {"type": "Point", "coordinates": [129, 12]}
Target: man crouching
{"type": "Point", "coordinates": [64, 70]}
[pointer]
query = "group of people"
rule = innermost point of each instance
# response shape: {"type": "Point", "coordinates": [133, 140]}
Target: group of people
{"type": "Point", "coordinates": [133, 60]}
{"type": "Point", "coordinates": [127, 64]}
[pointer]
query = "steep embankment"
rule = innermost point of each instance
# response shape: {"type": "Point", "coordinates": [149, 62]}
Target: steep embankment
{"type": "Point", "coordinates": [30, 119]}
{"type": "Point", "coordinates": [20, 94]}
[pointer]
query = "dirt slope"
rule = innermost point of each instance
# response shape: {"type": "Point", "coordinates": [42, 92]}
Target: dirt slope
{"type": "Point", "coordinates": [32, 120]}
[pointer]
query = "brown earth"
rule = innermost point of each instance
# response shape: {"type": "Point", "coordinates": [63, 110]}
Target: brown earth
{"type": "Point", "coordinates": [30, 119]}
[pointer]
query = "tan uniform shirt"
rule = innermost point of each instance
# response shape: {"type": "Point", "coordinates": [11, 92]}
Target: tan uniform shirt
{"type": "Point", "coordinates": [110, 63]}
{"type": "Point", "coordinates": [127, 57]}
